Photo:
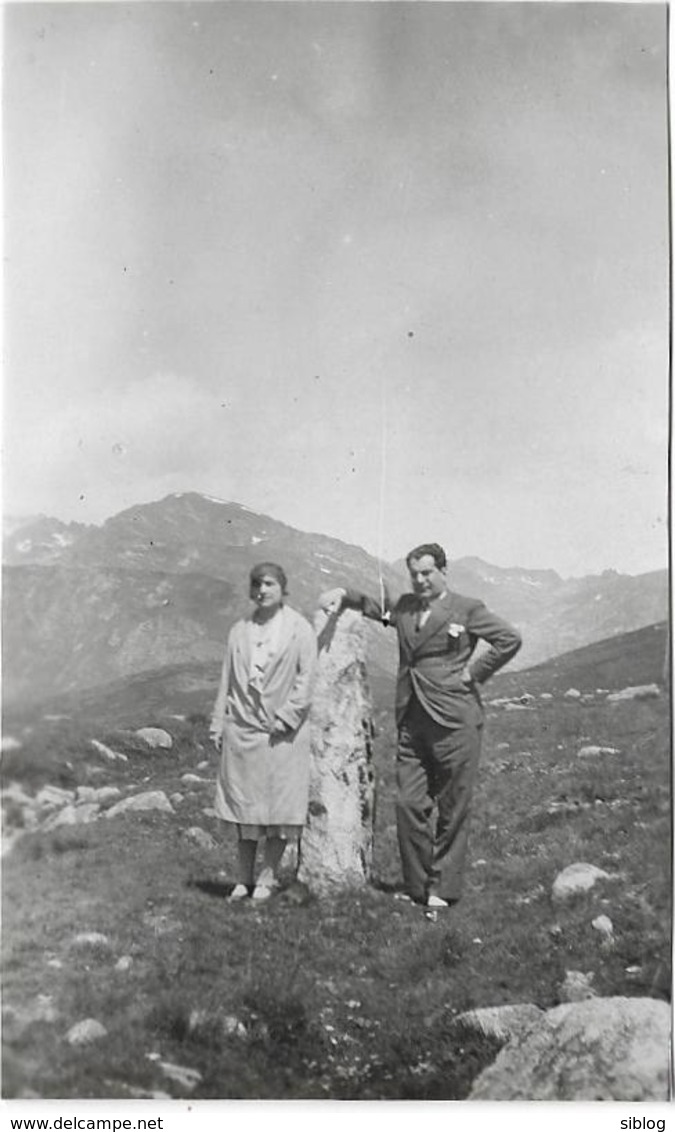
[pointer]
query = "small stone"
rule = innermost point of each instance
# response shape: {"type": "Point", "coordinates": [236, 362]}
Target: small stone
{"type": "Point", "coordinates": [92, 939]}
{"type": "Point", "coordinates": [203, 765]}
{"type": "Point", "coordinates": [196, 779]}
{"type": "Point", "coordinates": [155, 737]}
{"type": "Point", "coordinates": [501, 1022]}
{"type": "Point", "coordinates": [592, 751]}
{"type": "Point", "coordinates": [232, 1027]}
{"type": "Point", "coordinates": [576, 986]}
{"type": "Point", "coordinates": [183, 1076]}
{"type": "Point", "coordinates": [176, 798]}
{"type": "Point", "coordinates": [546, 696]}
{"type": "Point", "coordinates": [503, 746]}
{"type": "Point", "coordinates": [576, 878]}
{"type": "Point", "coordinates": [604, 925]}
{"type": "Point", "coordinates": [148, 800]}
{"type": "Point", "coordinates": [83, 814]}
{"type": "Point", "coordinates": [201, 838]}
{"type": "Point", "coordinates": [573, 694]}
{"type": "Point", "coordinates": [123, 963]}
{"type": "Point", "coordinates": [108, 753]}
{"type": "Point", "coordinates": [639, 692]}
{"type": "Point", "coordinates": [51, 797]}
{"type": "Point", "coordinates": [85, 1032]}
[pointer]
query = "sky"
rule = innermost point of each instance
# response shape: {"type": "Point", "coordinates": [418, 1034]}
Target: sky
{"type": "Point", "coordinates": [394, 272]}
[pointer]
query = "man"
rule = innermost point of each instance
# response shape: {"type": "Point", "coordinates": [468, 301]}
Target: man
{"type": "Point", "coordinates": [439, 716]}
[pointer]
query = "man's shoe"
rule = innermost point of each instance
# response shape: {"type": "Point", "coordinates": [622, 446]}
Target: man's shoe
{"type": "Point", "coordinates": [438, 902]}
{"type": "Point", "coordinates": [262, 892]}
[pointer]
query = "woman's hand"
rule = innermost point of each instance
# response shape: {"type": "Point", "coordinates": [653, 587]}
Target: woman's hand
{"type": "Point", "coordinates": [331, 600]}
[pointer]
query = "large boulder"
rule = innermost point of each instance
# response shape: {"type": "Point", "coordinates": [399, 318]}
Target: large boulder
{"type": "Point", "coordinates": [337, 843]}
{"type": "Point", "coordinates": [604, 1049]}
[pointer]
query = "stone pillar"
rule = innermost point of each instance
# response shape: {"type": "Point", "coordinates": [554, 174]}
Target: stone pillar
{"type": "Point", "coordinates": [337, 844]}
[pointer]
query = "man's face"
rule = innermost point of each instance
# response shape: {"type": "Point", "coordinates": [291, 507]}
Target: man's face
{"type": "Point", "coordinates": [428, 581]}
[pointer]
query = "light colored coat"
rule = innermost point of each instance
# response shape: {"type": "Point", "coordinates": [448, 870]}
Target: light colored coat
{"type": "Point", "coordinates": [264, 779]}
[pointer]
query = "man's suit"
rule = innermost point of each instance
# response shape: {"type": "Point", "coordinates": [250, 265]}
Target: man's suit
{"type": "Point", "coordinates": [440, 718]}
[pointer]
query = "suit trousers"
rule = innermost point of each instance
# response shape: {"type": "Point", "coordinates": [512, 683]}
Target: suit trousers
{"type": "Point", "coordinates": [435, 766]}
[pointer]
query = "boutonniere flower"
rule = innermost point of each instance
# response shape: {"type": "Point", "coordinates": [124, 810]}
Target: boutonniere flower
{"type": "Point", "coordinates": [455, 630]}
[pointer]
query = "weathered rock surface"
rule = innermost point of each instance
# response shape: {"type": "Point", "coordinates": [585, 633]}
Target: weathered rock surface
{"type": "Point", "coordinates": [149, 800]}
{"type": "Point", "coordinates": [576, 878]}
{"type": "Point", "coordinates": [501, 1022]}
{"type": "Point", "coordinates": [609, 1049]}
{"type": "Point", "coordinates": [337, 844]}
{"type": "Point", "coordinates": [155, 737]}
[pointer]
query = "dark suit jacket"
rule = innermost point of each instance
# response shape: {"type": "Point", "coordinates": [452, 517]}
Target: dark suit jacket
{"type": "Point", "coordinates": [433, 657]}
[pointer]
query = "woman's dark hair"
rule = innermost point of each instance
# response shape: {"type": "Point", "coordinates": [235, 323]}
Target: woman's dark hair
{"type": "Point", "coordinates": [431, 548]}
{"type": "Point", "coordinates": [270, 569]}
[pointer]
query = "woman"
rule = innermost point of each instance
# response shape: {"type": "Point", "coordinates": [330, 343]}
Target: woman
{"type": "Point", "coordinates": [260, 726]}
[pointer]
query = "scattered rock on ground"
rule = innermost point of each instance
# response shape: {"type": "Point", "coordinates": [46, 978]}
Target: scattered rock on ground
{"type": "Point", "coordinates": [9, 743]}
{"type": "Point", "coordinates": [501, 1022]}
{"type": "Point", "coordinates": [92, 939]}
{"type": "Point", "coordinates": [123, 963]}
{"type": "Point", "coordinates": [52, 797]}
{"type": "Point", "coordinates": [546, 696]}
{"type": "Point", "coordinates": [155, 737]}
{"type": "Point", "coordinates": [85, 1032]}
{"type": "Point", "coordinates": [100, 794]}
{"type": "Point", "coordinates": [108, 753]}
{"type": "Point", "coordinates": [74, 815]}
{"type": "Point", "coordinates": [573, 694]}
{"type": "Point", "coordinates": [200, 837]}
{"type": "Point", "coordinates": [186, 1078]}
{"type": "Point", "coordinates": [610, 1049]}
{"type": "Point", "coordinates": [605, 927]}
{"type": "Point", "coordinates": [148, 800]}
{"type": "Point", "coordinates": [578, 877]}
{"type": "Point", "coordinates": [576, 986]}
{"type": "Point", "coordinates": [196, 779]}
{"type": "Point", "coordinates": [591, 751]}
{"type": "Point", "coordinates": [640, 692]}
{"type": "Point", "coordinates": [176, 798]}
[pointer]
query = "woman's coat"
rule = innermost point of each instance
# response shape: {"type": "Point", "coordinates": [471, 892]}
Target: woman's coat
{"type": "Point", "coordinates": [263, 779]}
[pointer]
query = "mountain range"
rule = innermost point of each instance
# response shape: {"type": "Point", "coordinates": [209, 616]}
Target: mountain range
{"type": "Point", "coordinates": [160, 584]}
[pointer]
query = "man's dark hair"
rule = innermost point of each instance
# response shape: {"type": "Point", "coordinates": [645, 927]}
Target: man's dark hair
{"type": "Point", "coordinates": [433, 550]}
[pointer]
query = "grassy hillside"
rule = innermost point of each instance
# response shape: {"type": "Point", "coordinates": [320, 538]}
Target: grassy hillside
{"type": "Point", "coordinates": [352, 996]}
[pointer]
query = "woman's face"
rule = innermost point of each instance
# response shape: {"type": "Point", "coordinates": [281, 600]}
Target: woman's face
{"type": "Point", "coordinates": [266, 592]}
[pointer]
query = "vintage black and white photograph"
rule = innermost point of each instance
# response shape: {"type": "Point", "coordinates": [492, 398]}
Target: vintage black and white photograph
{"type": "Point", "coordinates": [336, 684]}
